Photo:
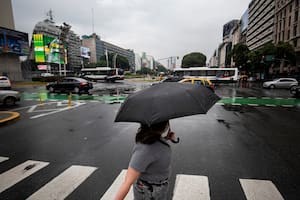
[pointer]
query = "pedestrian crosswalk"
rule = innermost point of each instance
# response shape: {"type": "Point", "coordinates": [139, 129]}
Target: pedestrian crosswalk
{"type": "Point", "coordinates": [187, 187]}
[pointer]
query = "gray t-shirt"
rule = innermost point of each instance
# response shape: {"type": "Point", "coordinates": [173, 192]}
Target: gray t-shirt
{"type": "Point", "coordinates": [153, 161]}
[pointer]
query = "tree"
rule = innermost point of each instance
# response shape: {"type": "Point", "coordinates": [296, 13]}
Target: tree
{"type": "Point", "coordinates": [121, 61]}
{"type": "Point", "coordinates": [240, 55]}
{"type": "Point", "coordinates": [285, 52]}
{"type": "Point", "coordinates": [195, 59]}
{"type": "Point", "coordinates": [145, 70]}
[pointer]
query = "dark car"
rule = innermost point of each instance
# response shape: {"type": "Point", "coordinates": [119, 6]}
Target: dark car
{"type": "Point", "coordinates": [295, 90]}
{"type": "Point", "coordinates": [70, 84]}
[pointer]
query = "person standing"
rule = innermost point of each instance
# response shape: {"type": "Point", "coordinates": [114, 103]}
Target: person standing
{"type": "Point", "coordinates": [150, 164]}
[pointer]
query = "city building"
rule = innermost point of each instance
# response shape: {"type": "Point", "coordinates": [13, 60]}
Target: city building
{"type": "Point", "coordinates": [98, 48]}
{"type": "Point", "coordinates": [13, 44]}
{"type": "Point", "coordinates": [48, 28]}
{"type": "Point", "coordinates": [261, 23]}
{"type": "Point", "coordinates": [225, 47]}
{"type": "Point", "coordinates": [6, 14]}
{"type": "Point", "coordinates": [138, 62]}
{"type": "Point", "coordinates": [127, 53]}
{"type": "Point", "coordinates": [213, 61]}
{"type": "Point", "coordinates": [287, 27]}
{"type": "Point", "coordinates": [93, 42]}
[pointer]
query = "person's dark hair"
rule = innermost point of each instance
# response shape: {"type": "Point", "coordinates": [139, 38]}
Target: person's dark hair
{"type": "Point", "coordinates": [150, 134]}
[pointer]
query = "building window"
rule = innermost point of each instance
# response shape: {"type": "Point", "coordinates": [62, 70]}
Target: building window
{"type": "Point", "coordinates": [288, 34]}
{"type": "Point", "coordinates": [296, 16]}
{"type": "Point", "coordinates": [295, 30]}
{"type": "Point", "coordinates": [291, 8]}
{"type": "Point", "coordinates": [295, 43]}
{"type": "Point", "coordinates": [282, 35]}
{"type": "Point", "coordinates": [297, 2]}
{"type": "Point", "coordinates": [290, 18]}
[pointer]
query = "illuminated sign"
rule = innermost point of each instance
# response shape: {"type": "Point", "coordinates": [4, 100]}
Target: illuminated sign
{"type": "Point", "coordinates": [46, 49]}
{"type": "Point", "coordinates": [12, 41]}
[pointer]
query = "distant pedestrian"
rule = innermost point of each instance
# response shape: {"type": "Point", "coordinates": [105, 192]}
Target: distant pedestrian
{"type": "Point", "coordinates": [150, 163]}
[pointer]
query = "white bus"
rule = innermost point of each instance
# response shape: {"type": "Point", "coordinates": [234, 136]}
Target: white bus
{"type": "Point", "coordinates": [213, 74]}
{"type": "Point", "coordinates": [102, 73]}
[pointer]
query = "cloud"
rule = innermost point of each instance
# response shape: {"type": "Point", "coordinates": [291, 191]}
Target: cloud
{"type": "Point", "coordinates": [160, 28]}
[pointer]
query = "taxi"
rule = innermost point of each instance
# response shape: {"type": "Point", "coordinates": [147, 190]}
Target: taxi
{"type": "Point", "coordinates": [201, 81]}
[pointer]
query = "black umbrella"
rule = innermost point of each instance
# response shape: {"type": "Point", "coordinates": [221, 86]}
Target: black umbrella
{"type": "Point", "coordinates": [166, 101]}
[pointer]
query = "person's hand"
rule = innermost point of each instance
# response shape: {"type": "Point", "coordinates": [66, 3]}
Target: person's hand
{"type": "Point", "coordinates": [171, 136]}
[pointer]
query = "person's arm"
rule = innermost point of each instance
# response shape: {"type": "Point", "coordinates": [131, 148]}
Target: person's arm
{"type": "Point", "coordinates": [131, 176]}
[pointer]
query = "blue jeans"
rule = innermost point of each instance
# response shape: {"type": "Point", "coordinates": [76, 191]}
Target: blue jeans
{"type": "Point", "coordinates": [144, 191]}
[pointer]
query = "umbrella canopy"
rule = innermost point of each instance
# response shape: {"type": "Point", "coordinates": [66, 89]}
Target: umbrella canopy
{"type": "Point", "coordinates": [166, 101]}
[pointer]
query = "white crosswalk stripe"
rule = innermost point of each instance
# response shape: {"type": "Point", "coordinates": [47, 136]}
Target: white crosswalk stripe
{"type": "Point", "coordinates": [191, 187]}
{"type": "Point", "coordinates": [260, 190]}
{"type": "Point", "coordinates": [20, 172]}
{"type": "Point", "coordinates": [61, 186]}
{"type": "Point", "coordinates": [112, 191]}
{"type": "Point", "coordinates": [2, 159]}
{"type": "Point", "coordinates": [187, 187]}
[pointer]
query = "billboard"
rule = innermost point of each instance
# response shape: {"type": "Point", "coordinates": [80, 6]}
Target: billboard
{"type": "Point", "coordinates": [46, 49]}
{"type": "Point", "coordinates": [12, 41]}
{"type": "Point", "coordinates": [85, 52]}
{"type": "Point", "coordinates": [244, 21]}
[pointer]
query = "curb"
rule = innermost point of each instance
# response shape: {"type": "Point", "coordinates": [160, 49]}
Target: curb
{"type": "Point", "coordinates": [14, 116]}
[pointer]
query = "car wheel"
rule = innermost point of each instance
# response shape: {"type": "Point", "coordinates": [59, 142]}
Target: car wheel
{"type": "Point", "coordinates": [272, 86]}
{"type": "Point", "coordinates": [51, 89]}
{"type": "Point", "coordinates": [292, 87]}
{"type": "Point", "coordinates": [9, 101]}
{"type": "Point", "coordinates": [76, 90]}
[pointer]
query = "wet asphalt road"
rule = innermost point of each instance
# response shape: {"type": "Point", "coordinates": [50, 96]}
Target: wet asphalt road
{"type": "Point", "coordinates": [227, 144]}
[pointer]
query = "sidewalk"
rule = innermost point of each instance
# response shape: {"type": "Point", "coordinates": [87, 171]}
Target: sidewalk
{"type": "Point", "coordinates": [6, 117]}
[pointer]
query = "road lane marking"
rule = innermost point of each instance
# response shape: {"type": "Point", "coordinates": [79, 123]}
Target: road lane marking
{"type": "Point", "coordinates": [260, 190]}
{"type": "Point", "coordinates": [112, 191]}
{"type": "Point", "coordinates": [2, 159]}
{"type": "Point", "coordinates": [289, 106]}
{"type": "Point", "coordinates": [252, 97]}
{"type": "Point", "coordinates": [270, 105]}
{"type": "Point", "coordinates": [191, 187]}
{"type": "Point", "coordinates": [61, 186]}
{"type": "Point", "coordinates": [252, 104]}
{"type": "Point", "coordinates": [236, 104]}
{"type": "Point", "coordinates": [20, 172]}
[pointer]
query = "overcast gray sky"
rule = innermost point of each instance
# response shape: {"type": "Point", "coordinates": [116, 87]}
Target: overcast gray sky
{"type": "Point", "coordinates": [160, 28]}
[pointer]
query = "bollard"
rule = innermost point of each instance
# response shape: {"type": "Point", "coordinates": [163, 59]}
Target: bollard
{"type": "Point", "coordinates": [70, 100]}
{"type": "Point", "coordinates": [41, 101]}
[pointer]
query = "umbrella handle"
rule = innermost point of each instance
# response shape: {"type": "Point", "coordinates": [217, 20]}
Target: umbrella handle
{"type": "Point", "coordinates": [176, 141]}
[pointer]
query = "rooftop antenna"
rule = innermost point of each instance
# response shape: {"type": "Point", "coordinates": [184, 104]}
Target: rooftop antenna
{"type": "Point", "coordinates": [50, 15]}
{"type": "Point", "coordinates": [93, 20]}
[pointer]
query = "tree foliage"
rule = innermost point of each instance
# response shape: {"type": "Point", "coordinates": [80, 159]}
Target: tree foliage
{"type": "Point", "coordinates": [240, 55]}
{"type": "Point", "coordinates": [195, 59]}
{"type": "Point", "coordinates": [121, 61]}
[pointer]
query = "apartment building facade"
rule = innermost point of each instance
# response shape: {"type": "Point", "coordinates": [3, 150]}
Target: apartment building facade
{"type": "Point", "coordinates": [260, 28]}
{"type": "Point", "coordinates": [287, 26]}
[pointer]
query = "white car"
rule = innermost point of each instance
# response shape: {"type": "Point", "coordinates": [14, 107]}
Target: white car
{"type": "Point", "coordinates": [281, 83]}
{"type": "Point", "coordinates": [5, 83]}
{"type": "Point", "coordinates": [9, 97]}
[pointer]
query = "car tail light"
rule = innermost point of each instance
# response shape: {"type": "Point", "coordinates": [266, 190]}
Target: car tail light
{"type": "Point", "coordinates": [83, 84]}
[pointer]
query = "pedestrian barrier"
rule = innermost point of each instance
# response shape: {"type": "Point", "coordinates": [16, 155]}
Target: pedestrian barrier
{"type": "Point", "coordinates": [187, 187]}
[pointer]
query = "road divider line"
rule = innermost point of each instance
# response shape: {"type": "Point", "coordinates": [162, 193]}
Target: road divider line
{"type": "Point", "coordinates": [61, 186]}
{"type": "Point", "coordinates": [266, 98]}
{"type": "Point", "coordinates": [220, 104]}
{"type": "Point", "coordinates": [252, 97]}
{"type": "Point", "coordinates": [260, 190]}
{"type": "Point", "coordinates": [2, 159]}
{"type": "Point", "coordinates": [252, 104]}
{"type": "Point", "coordinates": [236, 104]}
{"type": "Point", "coordinates": [288, 106]}
{"type": "Point", "coordinates": [270, 105]}
{"type": "Point", "coordinates": [20, 172]}
{"type": "Point", "coordinates": [112, 191]}
{"type": "Point", "coordinates": [191, 187]}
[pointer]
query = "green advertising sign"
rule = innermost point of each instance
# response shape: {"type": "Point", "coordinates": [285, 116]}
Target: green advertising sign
{"type": "Point", "coordinates": [46, 49]}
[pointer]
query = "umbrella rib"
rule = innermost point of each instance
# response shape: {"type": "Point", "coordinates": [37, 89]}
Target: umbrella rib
{"type": "Point", "coordinates": [193, 97]}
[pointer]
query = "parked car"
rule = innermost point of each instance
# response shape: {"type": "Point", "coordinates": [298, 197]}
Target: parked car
{"type": "Point", "coordinates": [9, 97]}
{"type": "Point", "coordinates": [70, 84]}
{"type": "Point", "coordinates": [5, 83]}
{"type": "Point", "coordinates": [202, 81]}
{"type": "Point", "coordinates": [281, 83]}
{"type": "Point", "coordinates": [295, 90]}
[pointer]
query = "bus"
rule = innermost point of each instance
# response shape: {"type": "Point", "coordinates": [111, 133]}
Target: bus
{"type": "Point", "coordinates": [102, 73]}
{"type": "Point", "coordinates": [213, 74]}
